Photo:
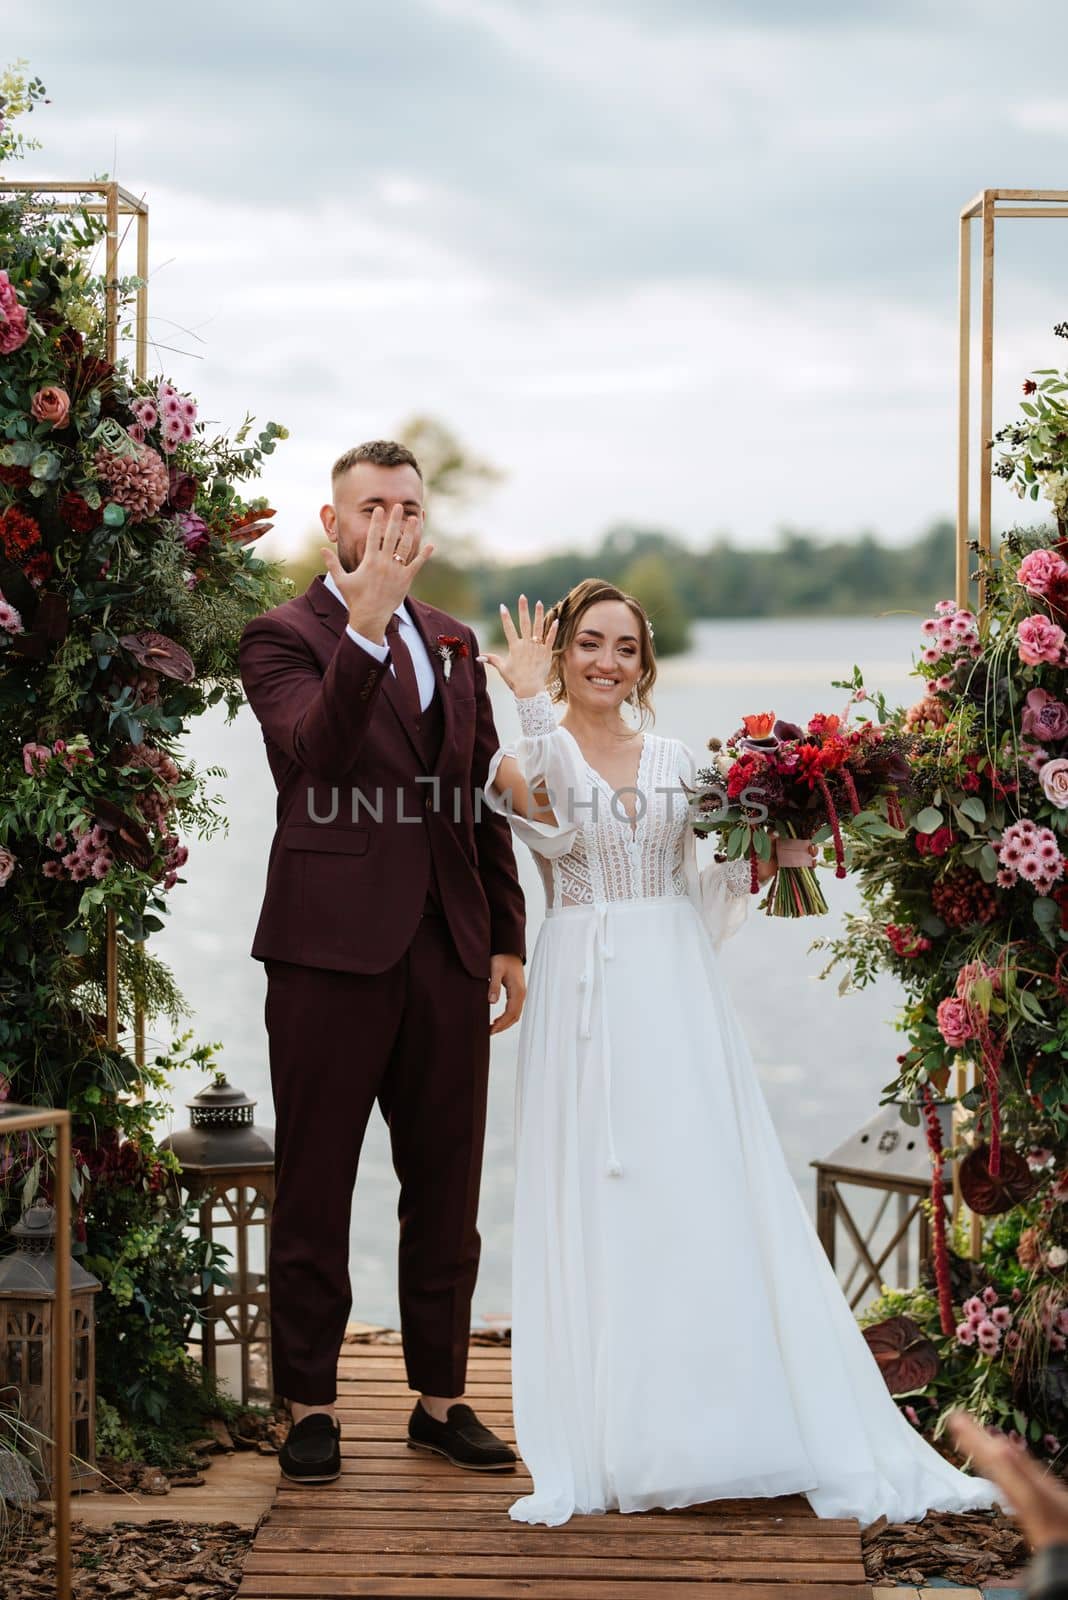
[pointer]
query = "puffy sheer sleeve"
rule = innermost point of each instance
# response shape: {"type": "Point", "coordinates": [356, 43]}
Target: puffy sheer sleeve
{"type": "Point", "coordinates": [720, 890]}
{"type": "Point", "coordinates": [547, 760]}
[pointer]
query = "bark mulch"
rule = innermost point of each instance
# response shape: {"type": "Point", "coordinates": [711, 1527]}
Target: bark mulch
{"type": "Point", "coordinates": [164, 1559]}
{"type": "Point", "coordinates": [969, 1548]}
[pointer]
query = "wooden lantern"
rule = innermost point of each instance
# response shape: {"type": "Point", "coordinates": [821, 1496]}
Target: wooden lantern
{"type": "Point", "coordinates": [228, 1168]}
{"type": "Point", "coordinates": [891, 1157]}
{"type": "Point", "coordinates": [29, 1323]}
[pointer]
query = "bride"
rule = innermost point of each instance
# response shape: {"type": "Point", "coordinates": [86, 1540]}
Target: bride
{"type": "Point", "coordinates": [678, 1333]}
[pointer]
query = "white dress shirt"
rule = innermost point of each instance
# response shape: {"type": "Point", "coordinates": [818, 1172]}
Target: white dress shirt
{"type": "Point", "coordinates": [424, 669]}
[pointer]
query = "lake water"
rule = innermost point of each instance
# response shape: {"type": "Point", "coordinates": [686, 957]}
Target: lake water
{"type": "Point", "coordinates": [822, 1059]}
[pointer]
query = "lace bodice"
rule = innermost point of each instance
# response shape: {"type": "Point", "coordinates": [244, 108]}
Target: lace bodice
{"type": "Point", "coordinates": [594, 854]}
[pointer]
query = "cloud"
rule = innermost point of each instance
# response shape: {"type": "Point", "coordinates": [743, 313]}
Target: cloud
{"type": "Point", "coordinates": [694, 264]}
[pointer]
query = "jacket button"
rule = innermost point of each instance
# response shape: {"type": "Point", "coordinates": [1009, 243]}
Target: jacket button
{"type": "Point", "coordinates": [428, 803]}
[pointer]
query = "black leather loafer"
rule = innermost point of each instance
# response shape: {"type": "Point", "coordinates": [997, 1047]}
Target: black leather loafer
{"type": "Point", "coordinates": [462, 1440]}
{"type": "Point", "coordinates": [312, 1452]}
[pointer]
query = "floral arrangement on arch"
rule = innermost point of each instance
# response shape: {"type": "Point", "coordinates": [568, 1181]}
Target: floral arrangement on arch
{"type": "Point", "coordinates": [969, 910]}
{"type": "Point", "coordinates": [127, 572]}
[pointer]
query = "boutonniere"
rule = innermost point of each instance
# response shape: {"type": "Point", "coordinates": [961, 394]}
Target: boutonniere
{"type": "Point", "coordinates": [450, 645]}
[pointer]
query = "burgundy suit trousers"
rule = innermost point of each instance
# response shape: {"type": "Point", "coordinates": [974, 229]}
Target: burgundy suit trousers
{"type": "Point", "coordinates": [416, 1039]}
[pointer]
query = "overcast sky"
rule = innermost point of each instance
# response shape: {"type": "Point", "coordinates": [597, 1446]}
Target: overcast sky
{"type": "Point", "coordinates": [687, 263]}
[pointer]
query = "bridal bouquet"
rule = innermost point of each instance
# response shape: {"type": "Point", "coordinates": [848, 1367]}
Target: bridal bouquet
{"type": "Point", "coordinates": [773, 779]}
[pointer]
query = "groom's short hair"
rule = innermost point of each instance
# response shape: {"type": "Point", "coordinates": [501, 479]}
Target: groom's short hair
{"type": "Point", "coordinates": [380, 452]}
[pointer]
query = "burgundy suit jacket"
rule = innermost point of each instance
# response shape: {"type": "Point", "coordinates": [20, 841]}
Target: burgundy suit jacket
{"type": "Point", "coordinates": [350, 862]}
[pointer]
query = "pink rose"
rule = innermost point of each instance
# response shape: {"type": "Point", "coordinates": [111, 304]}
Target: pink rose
{"type": "Point", "coordinates": [13, 329]}
{"type": "Point", "coordinates": [51, 405]}
{"type": "Point", "coordinates": [954, 1022]}
{"type": "Point", "coordinates": [1039, 640]}
{"type": "Point", "coordinates": [1054, 780]}
{"type": "Point", "coordinates": [1038, 570]}
{"type": "Point", "coordinates": [1044, 716]}
{"type": "Point", "coordinates": [7, 865]}
{"type": "Point", "coordinates": [34, 757]}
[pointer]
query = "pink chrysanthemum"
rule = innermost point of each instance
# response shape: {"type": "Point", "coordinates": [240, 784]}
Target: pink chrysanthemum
{"type": "Point", "coordinates": [137, 483]}
{"type": "Point", "coordinates": [945, 608]}
{"type": "Point", "coordinates": [10, 619]}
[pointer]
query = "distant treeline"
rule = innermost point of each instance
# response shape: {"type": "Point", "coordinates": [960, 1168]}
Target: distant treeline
{"type": "Point", "coordinates": [800, 575]}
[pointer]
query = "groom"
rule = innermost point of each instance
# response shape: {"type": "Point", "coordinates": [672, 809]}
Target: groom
{"type": "Point", "coordinates": [391, 921]}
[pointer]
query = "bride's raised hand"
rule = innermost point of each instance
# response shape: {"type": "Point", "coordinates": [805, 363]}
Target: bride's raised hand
{"type": "Point", "coordinates": [525, 669]}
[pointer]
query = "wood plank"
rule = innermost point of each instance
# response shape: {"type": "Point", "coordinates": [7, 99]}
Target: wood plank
{"type": "Point", "coordinates": [285, 1587]}
{"type": "Point", "coordinates": [614, 1524]}
{"type": "Point", "coordinates": [424, 1464]}
{"type": "Point", "coordinates": [493, 1388]}
{"type": "Point", "coordinates": [326, 1565]}
{"type": "Point", "coordinates": [523, 1541]}
{"type": "Point", "coordinates": [497, 1484]}
{"type": "Point", "coordinates": [415, 1526]}
{"type": "Point", "coordinates": [361, 1425]}
{"type": "Point", "coordinates": [392, 1449]}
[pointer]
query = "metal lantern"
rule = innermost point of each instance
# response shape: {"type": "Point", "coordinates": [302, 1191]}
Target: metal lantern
{"type": "Point", "coordinates": [28, 1326]}
{"type": "Point", "coordinates": [889, 1156]}
{"type": "Point", "coordinates": [228, 1168]}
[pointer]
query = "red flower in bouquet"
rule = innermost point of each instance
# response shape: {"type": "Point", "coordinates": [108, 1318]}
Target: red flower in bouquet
{"type": "Point", "coordinates": [77, 513]}
{"type": "Point", "coordinates": [906, 941]}
{"type": "Point", "coordinates": [38, 567]}
{"type": "Point", "coordinates": [759, 725]}
{"type": "Point", "coordinates": [745, 772]}
{"type": "Point", "coordinates": [19, 534]}
{"type": "Point", "coordinates": [824, 724]}
{"type": "Point", "coordinates": [936, 843]}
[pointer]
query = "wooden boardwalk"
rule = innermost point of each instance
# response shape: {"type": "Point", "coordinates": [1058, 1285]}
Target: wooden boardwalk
{"type": "Point", "coordinates": [399, 1523]}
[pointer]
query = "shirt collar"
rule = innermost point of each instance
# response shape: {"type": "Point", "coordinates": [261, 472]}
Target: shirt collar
{"type": "Point", "coordinates": [328, 583]}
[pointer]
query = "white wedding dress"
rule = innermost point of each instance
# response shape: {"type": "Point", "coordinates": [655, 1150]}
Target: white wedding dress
{"type": "Point", "coordinates": [678, 1333]}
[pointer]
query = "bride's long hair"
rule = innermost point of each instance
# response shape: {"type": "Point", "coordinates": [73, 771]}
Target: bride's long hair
{"type": "Point", "coordinates": [569, 612]}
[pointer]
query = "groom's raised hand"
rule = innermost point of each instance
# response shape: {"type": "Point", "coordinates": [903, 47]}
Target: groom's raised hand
{"type": "Point", "coordinates": [507, 972]}
{"type": "Point", "coordinates": [386, 571]}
